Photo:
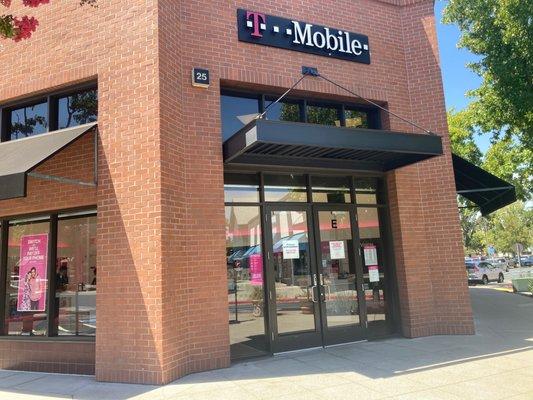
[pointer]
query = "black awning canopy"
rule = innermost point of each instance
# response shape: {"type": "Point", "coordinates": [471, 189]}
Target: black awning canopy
{"type": "Point", "coordinates": [296, 144]}
{"type": "Point", "coordinates": [19, 157]}
{"type": "Point", "coordinates": [487, 191]}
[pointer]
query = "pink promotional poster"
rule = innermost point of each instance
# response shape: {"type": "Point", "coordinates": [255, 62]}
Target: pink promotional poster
{"type": "Point", "coordinates": [256, 269]}
{"type": "Point", "coordinates": [33, 273]}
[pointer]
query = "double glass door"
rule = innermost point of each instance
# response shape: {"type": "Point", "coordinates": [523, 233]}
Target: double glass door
{"type": "Point", "coordinates": [315, 276]}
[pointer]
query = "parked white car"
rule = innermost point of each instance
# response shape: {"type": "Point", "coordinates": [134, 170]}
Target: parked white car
{"type": "Point", "coordinates": [483, 272]}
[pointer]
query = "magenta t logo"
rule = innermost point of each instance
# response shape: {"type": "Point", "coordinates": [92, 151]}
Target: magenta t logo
{"type": "Point", "coordinates": [258, 20]}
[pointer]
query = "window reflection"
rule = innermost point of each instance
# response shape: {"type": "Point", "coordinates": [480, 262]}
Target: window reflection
{"type": "Point", "coordinates": [78, 109]}
{"type": "Point", "coordinates": [283, 111]}
{"type": "Point", "coordinates": [241, 188]}
{"type": "Point", "coordinates": [331, 189]}
{"type": "Point", "coordinates": [323, 115]}
{"type": "Point", "coordinates": [236, 113]}
{"type": "Point", "coordinates": [356, 118]}
{"type": "Point", "coordinates": [291, 188]}
{"type": "Point", "coordinates": [245, 281]}
{"type": "Point", "coordinates": [29, 121]}
{"type": "Point", "coordinates": [76, 276]}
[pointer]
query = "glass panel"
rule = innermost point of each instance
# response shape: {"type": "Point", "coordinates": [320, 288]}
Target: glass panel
{"type": "Point", "coordinates": [331, 189]}
{"type": "Point", "coordinates": [283, 111]}
{"type": "Point", "coordinates": [366, 198]}
{"type": "Point", "coordinates": [356, 119]}
{"type": "Point", "coordinates": [27, 279]}
{"type": "Point", "coordinates": [368, 222]}
{"type": "Point", "coordinates": [245, 281]}
{"type": "Point", "coordinates": [291, 188]}
{"type": "Point", "coordinates": [237, 112]}
{"type": "Point", "coordinates": [242, 188]}
{"type": "Point", "coordinates": [323, 115]}
{"type": "Point", "coordinates": [29, 121]}
{"type": "Point", "coordinates": [374, 281]}
{"type": "Point", "coordinates": [292, 271]}
{"type": "Point", "coordinates": [76, 276]}
{"type": "Point", "coordinates": [338, 268]}
{"type": "Point", "coordinates": [78, 109]}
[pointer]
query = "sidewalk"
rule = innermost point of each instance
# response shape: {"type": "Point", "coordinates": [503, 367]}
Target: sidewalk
{"type": "Point", "coordinates": [496, 363]}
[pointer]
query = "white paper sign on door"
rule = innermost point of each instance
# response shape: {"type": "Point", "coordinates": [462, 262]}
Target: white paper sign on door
{"type": "Point", "coordinates": [291, 249]}
{"type": "Point", "coordinates": [373, 273]}
{"type": "Point", "coordinates": [336, 250]}
{"type": "Point", "coordinates": [371, 255]}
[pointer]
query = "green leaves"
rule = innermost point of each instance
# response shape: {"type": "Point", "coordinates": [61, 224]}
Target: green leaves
{"type": "Point", "coordinates": [501, 33]}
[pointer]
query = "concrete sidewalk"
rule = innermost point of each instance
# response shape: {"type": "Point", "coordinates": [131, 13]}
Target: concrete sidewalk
{"type": "Point", "coordinates": [496, 363]}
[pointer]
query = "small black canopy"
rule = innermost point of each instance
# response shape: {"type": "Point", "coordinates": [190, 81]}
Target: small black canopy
{"type": "Point", "coordinates": [264, 142]}
{"type": "Point", "coordinates": [21, 156]}
{"type": "Point", "coordinates": [487, 191]}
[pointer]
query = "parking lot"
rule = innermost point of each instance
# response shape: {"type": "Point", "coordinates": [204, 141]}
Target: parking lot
{"type": "Point", "coordinates": [495, 363]}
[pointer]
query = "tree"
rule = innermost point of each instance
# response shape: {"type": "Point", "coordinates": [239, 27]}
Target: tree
{"type": "Point", "coordinates": [20, 28]}
{"type": "Point", "coordinates": [510, 225]}
{"type": "Point", "coordinates": [462, 134]}
{"type": "Point", "coordinates": [501, 33]}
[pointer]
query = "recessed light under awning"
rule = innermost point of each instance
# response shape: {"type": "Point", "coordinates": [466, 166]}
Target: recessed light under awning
{"type": "Point", "coordinates": [295, 144]}
{"type": "Point", "coordinates": [18, 158]}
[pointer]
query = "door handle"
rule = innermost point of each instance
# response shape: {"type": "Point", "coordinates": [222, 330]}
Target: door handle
{"type": "Point", "coordinates": [313, 296]}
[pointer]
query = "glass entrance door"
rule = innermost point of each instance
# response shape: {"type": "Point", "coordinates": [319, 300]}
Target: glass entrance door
{"type": "Point", "coordinates": [340, 275]}
{"type": "Point", "coordinates": [294, 307]}
{"type": "Point", "coordinates": [314, 276]}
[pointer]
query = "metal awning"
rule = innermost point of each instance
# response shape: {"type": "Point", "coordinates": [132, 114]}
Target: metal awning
{"type": "Point", "coordinates": [19, 157]}
{"type": "Point", "coordinates": [487, 191]}
{"type": "Point", "coordinates": [296, 144]}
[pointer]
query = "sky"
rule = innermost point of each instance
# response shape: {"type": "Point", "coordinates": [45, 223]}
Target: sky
{"type": "Point", "coordinates": [457, 78]}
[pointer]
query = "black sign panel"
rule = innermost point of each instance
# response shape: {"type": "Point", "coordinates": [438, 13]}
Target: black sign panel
{"type": "Point", "coordinates": [268, 30]}
{"type": "Point", "coordinates": [200, 77]}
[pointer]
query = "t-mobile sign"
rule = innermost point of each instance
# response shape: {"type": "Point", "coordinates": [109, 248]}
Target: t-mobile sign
{"type": "Point", "coordinates": [268, 30]}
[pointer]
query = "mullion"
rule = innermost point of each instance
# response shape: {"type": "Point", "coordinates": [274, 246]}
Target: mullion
{"type": "Point", "coordinates": [4, 229]}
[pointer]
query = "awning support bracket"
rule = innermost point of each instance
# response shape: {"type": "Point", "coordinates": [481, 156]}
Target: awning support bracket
{"type": "Point", "coordinates": [71, 181]}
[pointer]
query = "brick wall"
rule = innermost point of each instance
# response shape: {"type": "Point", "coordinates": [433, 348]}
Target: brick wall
{"type": "Point", "coordinates": [161, 303]}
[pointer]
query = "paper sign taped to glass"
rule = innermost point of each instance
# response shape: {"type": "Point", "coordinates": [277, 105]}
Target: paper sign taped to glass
{"type": "Point", "coordinates": [373, 273]}
{"type": "Point", "coordinates": [336, 250]}
{"type": "Point", "coordinates": [291, 249]}
{"type": "Point", "coordinates": [371, 254]}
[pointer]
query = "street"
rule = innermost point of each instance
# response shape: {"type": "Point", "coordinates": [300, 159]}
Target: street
{"type": "Point", "coordinates": [495, 363]}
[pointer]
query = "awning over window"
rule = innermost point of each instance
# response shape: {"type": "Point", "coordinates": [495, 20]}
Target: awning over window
{"type": "Point", "coordinates": [20, 157]}
{"type": "Point", "coordinates": [487, 191]}
{"type": "Point", "coordinates": [275, 143]}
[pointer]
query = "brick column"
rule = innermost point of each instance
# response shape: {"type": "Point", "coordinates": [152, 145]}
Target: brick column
{"type": "Point", "coordinates": [434, 297]}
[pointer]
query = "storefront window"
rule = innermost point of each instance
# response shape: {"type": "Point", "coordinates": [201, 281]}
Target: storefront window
{"type": "Point", "coordinates": [241, 188]}
{"type": "Point", "coordinates": [366, 191]}
{"type": "Point", "coordinates": [78, 109]}
{"type": "Point", "coordinates": [355, 118]}
{"type": "Point", "coordinates": [372, 253]}
{"type": "Point", "coordinates": [287, 188]}
{"type": "Point", "coordinates": [283, 111]}
{"type": "Point", "coordinates": [323, 115]}
{"type": "Point", "coordinates": [76, 276]}
{"type": "Point", "coordinates": [236, 113]}
{"type": "Point", "coordinates": [245, 281]}
{"type": "Point", "coordinates": [27, 278]}
{"type": "Point", "coordinates": [28, 121]}
{"type": "Point", "coordinates": [331, 189]}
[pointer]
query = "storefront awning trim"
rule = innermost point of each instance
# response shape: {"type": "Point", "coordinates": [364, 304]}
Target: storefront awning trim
{"type": "Point", "coordinates": [18, 158]}
{"type": "Point", "coordinates": [487, 191]}
{"type": "Point", "coordinates": [264, 142]}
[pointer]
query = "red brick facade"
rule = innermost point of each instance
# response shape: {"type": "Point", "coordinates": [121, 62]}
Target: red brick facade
{"type": "Point", "coordinates": [161, 302]}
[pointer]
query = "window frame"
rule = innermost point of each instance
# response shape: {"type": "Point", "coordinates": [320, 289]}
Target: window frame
{"type": "Point", "coordinates": [52, 110]}
{"type": "Point", "coordinates": [52, 312]}
{"type": "Point", "coordinates": [373, 113]}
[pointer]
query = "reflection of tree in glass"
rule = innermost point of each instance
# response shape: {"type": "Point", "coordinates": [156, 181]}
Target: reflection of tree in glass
{"type": "Point", "coordinates": [25, 126]}
{"type": "Point", "coordinates": [323, 116]}
{"type": "Point", "coordinates": [290, 112]}
{"type": "Point", "coordinates": [82, 108]}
